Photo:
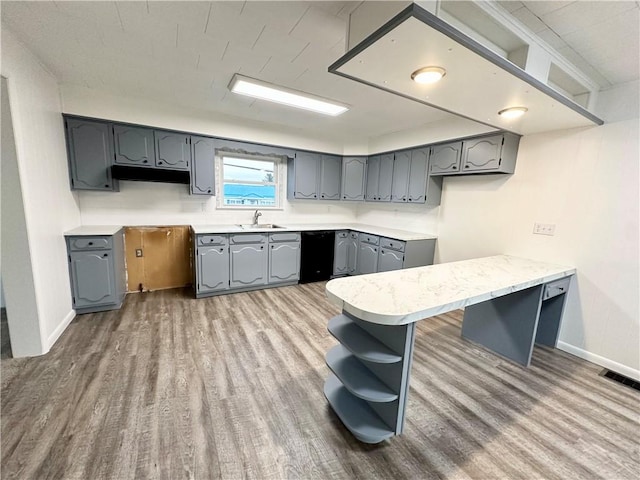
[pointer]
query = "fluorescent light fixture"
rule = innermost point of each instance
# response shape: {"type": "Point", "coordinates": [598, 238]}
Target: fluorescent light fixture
{"type": "Point", "coordinates": [428, 75]}
{"type": "Point", "coordinates": [286, 96]}
{"type": "Point", "coordinates": [513, 112]}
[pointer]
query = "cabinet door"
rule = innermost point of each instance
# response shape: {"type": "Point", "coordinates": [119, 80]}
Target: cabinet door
{"type": "Point", "coordinates": [389, 260]}
{"type": "Point", "coordinates": [400, 185]}
{"type": "Point", "coordinates": [385, 179]}
{"type": "Point", "coordinates": [134, 146]}
{"type": "Point", "coordinates": [416, 192]}
{"type": "Point", "coordinates": [90, 147]}
{"type": "Point", "coordinates": [213, 268]}
{"type": "Point", "coordinates": [352, 253]}
{"type": "Point", "coordinates": [354, 175]}
{"type": "Point", "coordinates": [341, 254]}
{"type": "Point", "coordinates": [481, 154]}
{"type": "Point", "coordinates": [373, 174]}
{"type": "Point", "coordinates": [92, 278]}
{"type": "Point", "coordinates": [306, 175]}
{"type": "Point", "coordinates": [330, 173]}
{"type": "Point", "coordinates": [203, 155]}
{"type": "Point", "coordinates": [284, 262]}
{"type": "Point", "coordinates": [172, 150]}
{"type": "Point", "coordinates": [367, 259]}
{"type": "Point", "coordinates": [248, 265]}
{"type": "Point", "coordinates": [445, 158]}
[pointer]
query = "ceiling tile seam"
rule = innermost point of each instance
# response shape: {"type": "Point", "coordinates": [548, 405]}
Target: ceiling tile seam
{"type": "Point", "coordinates": [265, 64]}
{"type": "Point", "coordinates": [115, 4]}
{"type": "Point", "coordinates": [299, 20]}
{"type": "Point", "coordinates": [206, 25]}
{"type": "Point", "coordinates": [300, 53]}
{"type": "Point", "coordinates": [225, 51]}
{"type": "Point", "coordinates": [258, 37]}
{"type": "Point", "coordinates": [243, 5]}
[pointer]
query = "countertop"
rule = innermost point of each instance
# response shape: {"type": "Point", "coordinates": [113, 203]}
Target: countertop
{"type": "Point", "coordinates": [88, 230]}
{"type": "Point", "coordinates": [306, 227]}
{"type": "Point", "coordinates": [405, 296]}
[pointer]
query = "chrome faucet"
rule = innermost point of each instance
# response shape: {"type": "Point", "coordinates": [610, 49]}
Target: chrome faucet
{"type": "Point", "coordinates": [256, 214]}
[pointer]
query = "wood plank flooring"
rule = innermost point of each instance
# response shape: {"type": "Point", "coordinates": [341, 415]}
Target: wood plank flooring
{"type": "Point", "coordinates": [230, 387]}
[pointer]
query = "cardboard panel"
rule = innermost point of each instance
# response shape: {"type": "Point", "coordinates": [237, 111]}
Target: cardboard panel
{"type": "Point", "coordinates": [165, 261]}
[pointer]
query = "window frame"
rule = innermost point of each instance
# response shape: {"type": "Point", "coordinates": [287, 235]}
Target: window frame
{"type": "Point", "coordinates": [279, 171]}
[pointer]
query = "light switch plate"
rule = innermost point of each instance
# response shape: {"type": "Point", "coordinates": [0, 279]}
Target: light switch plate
{"type": "Point", "coordinates": [544, 229]}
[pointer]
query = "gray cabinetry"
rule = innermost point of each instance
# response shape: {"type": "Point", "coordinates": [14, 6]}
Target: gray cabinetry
{"type": "Point", "coordinates": [367, 261]}
{"type": "Point", "coordinates": [330, 175]}
{"type": "Point", "coordinates": [354, 176]}
{"type": "Point", "coordinates": [134, 146]}
{"type": "Point", "coordinates": [482, 154]}
{"type": "Point", "coordinates": [445, 159]}
{"type": "Point", "coordinates": [341, 253]}
{"type": "Point", "coordinates": [303, 176]}
{"type": "Point", "coordinates": [417, 187]}
{"type": "Point", "coordinates": [391, 255]}
{"type": "Point", "coordinates": [401, 166]}
{"type": "Point", "coordinates": [352, 253]}
{"type": "Point", "coordinates": [90, 149]}
{"type": "Point", "coordinates": [97, 272]}
{"type": "Point", "coordinates": [172, 150]}
{"type": "Point", "coordinates": [203, 155]}
{"type": "Point", "coordinates": [379, 178]}
{"type": "Point", "coordinates": [212, 263]}
{"type": "Point", "coordinates": [248, 265]}
{"type": "Point", "coordinates": [411, 182]}
{"type": "Point", "coordinates": [284, 257]}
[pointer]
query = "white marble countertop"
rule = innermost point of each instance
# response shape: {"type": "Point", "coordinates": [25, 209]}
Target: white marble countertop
{"type": "Point", "coordinates": [88, 230]}
{"type": "Point", "coordinates": [405, 296]}
{"type": "Point", "coordinates": [306, 227]}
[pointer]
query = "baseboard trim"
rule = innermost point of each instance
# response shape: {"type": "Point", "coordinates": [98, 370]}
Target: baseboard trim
{"type": "Point", "coordinates": [602, 361]}
{"type": "Point", "coordinates": [53, 338]}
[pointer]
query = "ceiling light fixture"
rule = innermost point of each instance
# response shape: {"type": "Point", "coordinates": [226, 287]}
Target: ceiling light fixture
{"type": "Point", "coordinates": [513, 112]}
{"type": "Point", "coordinates": [428, 75]}
{"type": "Point", "coordinates": [285, 96]}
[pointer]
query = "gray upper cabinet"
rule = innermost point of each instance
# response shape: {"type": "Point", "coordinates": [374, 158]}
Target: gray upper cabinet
{"type": "Point", "coordinates": [203, 155]}
{"type": "Point", "coordinates": [90, 149]}
{"type": "Point", "coordinates": [302, 173]}
{"type": "Point", "coordinates": [173, 150]}
{"type": "Point", "coordinates": [354, 176]}
{"type": "Point", "coordinates": [379, 178]}
{"type": "Point", "coordinates": [330, 175]}
{"type": "Point", "coordinates": [284, 262]}
{"type": "Point", "coordinates": [367, 258]}
{"type": "Point", "coordinates": [248, 265]}
{"type": "Point", "coordinates": [494, 154]}
{"type": "Point", "coordinates": [445, 159]}
{"type": "Point", "coordinates": [401, 167]}
{"type": "Point", "coordinates": [341, 253]}
{"type": "Point", "coordinates": [134, 146]}
{"type": "Point", "coordinates": [417, 187]}
{"type": "Point", "coordinates": [213, 268]}
{"type": "Point", "coordinates": [373, 174]}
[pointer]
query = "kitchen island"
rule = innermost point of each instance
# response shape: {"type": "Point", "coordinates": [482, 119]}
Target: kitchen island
{"type": "Point", "coordinates": [510, 304]}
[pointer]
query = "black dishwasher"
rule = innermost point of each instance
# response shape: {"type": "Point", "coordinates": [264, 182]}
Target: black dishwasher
{"type": "Point", "coordinates": [316, 257]}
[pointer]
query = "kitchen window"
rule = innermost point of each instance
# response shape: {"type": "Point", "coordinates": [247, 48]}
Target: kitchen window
{"type": "Point", "coordinates": [249, 182]}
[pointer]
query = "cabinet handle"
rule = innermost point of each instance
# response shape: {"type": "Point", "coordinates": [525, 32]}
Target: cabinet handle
{"type": "Point", "coordinates": [272, 247]}
{"type": "Point", "coordinates": [222, 249]}
{"type": "Point", "coordinates": [105, 255]}
{"type": "Point", "coordinates": [466, 166]}
{"type": "Point", "coordinates": [106, 186]}
{"type": "Point", "coordinates": [455, 168]}
{"type": "Point", "coordinates": [322, 196]}
{"type": "Point", "coordinates": [145, 161]}
{"type": "Point", "coordinates": [315, 196]}
{"type": "Point", "coordinates": [410, 200]}
{"type": "Point", "coordinates": [262, 247]}
{"type": "Point", "coordinates": [344, 196]}
{"type": "Point", "coordinates": [209, 191]}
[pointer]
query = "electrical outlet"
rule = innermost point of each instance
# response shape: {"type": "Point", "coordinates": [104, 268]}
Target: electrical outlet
{"type": "Point", "coordinates": [544, 229]}
{"type": "Point", "coordinates": [138, 252]}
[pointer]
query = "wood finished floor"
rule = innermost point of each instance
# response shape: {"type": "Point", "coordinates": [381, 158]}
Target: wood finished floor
{"type": "Point", "coordinates": [231, 387]}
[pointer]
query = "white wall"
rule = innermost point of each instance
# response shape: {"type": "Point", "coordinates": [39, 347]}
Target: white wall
{"type": "Point", "coordinates": [49, 206]}
{"type": "Point", "coordinates": [585, 181]}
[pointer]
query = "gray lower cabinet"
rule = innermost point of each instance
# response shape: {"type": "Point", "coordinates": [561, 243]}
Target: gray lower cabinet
{"type": "Point", "coordinates": [367, 261]}
{"type": "Point", "coordinates": [97, 272]}
{"type": "Point", "coordinates": [330, 175]}
{"type": "Point", "coordinates": [249, 261]}
{"type": "Point", "coordinates": [90, 150]}
{"type": "Point", "coordinates": [134, 146]}
{"type": "Point", "coordinates": [284, 257]}
{"type": "Point", "coordinates": [203, 156]}
{"type": "Point", "coordinates": [352, 253]}
{"type": "Point", "coordinates": [173, 150]}
{"type": "Point", "coordinates": [212, 268]}
{"type": "Point", "coordinates": [390, 260]}
{"type": "Point", "coordinates": [341, 253]}
{"type": "Point", "coordinates": [354, 177]}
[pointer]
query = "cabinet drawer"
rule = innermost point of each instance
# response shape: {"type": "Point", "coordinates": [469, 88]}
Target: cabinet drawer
{"type": "Point", "coordinates": [90, 243]}
{"type": "Point", "coordinates": [342, 234]}
{"type": "Point", "coordinates": [370, 239]}
{"type": "Point", "coordinates": [212, 240]}
{"type": "Point", "coordinates": [284, 237]}
{"type": "Point", "coordinates": [556, 288]}
{"type": "Point", "coordinates": [396, 245]}
{"type": "Point", "coordinates": [248, 238]}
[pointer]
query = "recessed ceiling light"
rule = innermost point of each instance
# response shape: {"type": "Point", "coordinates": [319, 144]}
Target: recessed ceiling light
{"type": "Point", "coordinates": [428, 75]}
{"type": "Point", "coordinates": [513, 112]}
{"type": "Point", "coordinates": [273, 93]}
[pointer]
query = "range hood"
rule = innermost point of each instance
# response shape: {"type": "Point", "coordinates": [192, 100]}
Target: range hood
{"type": "Point", "coordinates": [146, 174]}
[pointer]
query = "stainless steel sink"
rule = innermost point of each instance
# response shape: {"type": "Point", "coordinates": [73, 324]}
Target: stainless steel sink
{"type": "Point", "coordinates": [258, 226]}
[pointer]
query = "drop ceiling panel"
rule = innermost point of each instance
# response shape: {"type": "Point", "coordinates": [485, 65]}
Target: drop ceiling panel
{"type": "Point", "coordinates": [473, 86]}
{"type": "Point", "coordinates": [581, 15]}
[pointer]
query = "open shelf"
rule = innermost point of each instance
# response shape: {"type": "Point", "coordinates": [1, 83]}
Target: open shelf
{"type": "Point", "coordinates": [355, 414]}
{"type": "Point", "coordinates": [359, 342]}
{"type": "Point", "coordinates": [357, 378]}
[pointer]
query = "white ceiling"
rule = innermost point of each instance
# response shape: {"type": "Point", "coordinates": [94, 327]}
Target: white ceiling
{"type": "Point", "coordinates": [185, 53]}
